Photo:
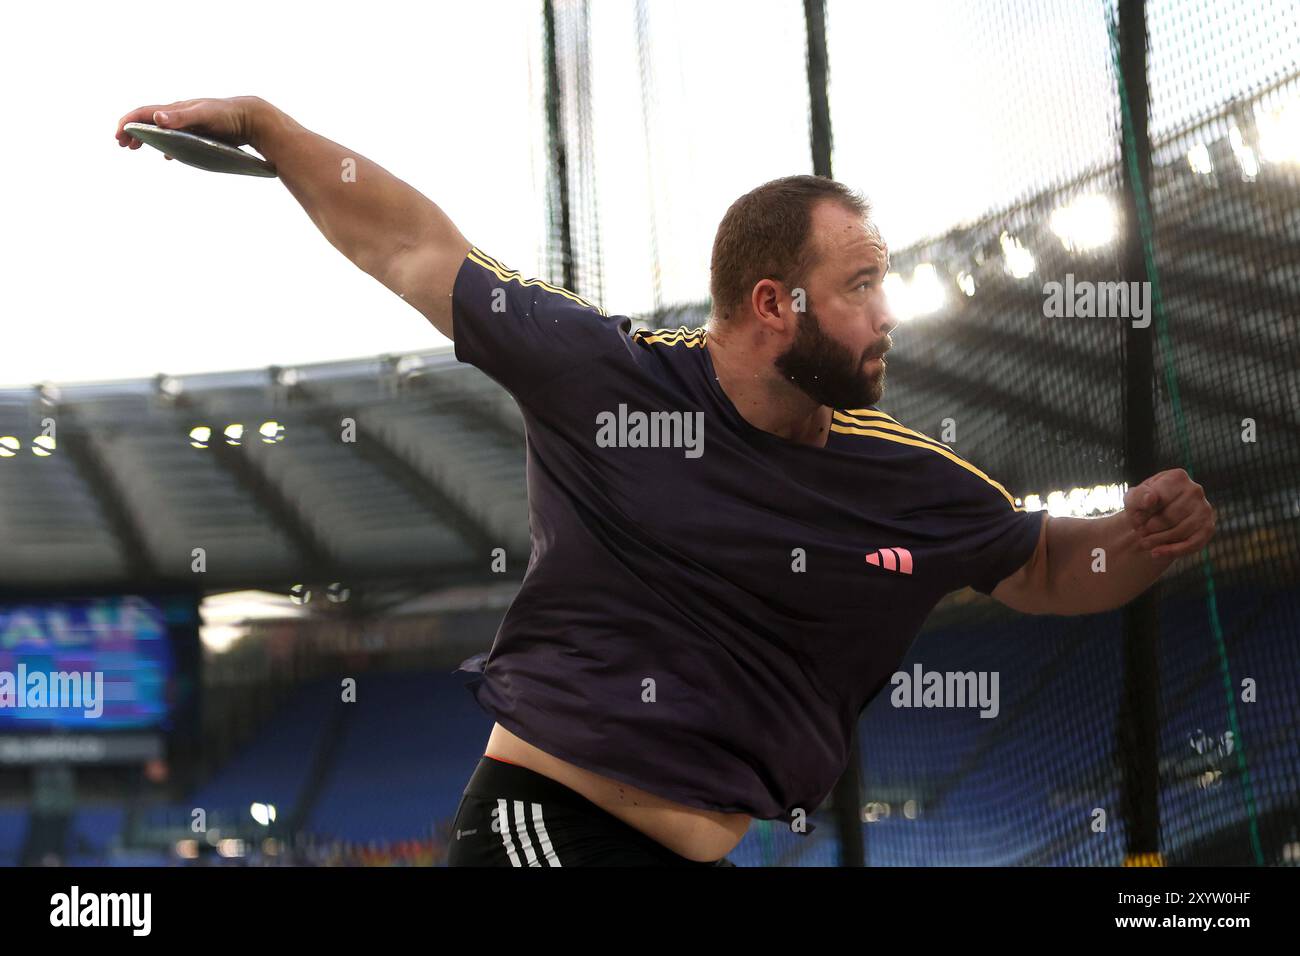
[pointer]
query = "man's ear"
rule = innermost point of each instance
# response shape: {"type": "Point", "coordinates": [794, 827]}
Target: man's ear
{"type": "Point", "coordinates": [765, 301]}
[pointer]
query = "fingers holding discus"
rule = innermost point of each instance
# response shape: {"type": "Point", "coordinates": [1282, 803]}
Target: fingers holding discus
{"type": "Point", "coordinates": [205, 134]}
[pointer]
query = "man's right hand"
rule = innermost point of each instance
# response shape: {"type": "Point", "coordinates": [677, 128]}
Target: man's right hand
{"type": "Point", "coordinates": [232, 120]}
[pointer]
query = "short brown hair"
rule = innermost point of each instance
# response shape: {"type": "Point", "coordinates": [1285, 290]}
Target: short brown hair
{"type": "Point", "coordinates": [764, 235]}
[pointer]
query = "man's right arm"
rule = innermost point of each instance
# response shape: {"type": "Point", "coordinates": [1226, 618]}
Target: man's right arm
{"type": "Point", "coordinates": [385, 226]}
{"type": "Point", "coordinates": [524, 333]}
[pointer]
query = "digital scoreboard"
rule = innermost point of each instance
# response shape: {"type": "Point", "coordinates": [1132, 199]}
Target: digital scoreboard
{"type": "Point", "coordinates": [97, 679]}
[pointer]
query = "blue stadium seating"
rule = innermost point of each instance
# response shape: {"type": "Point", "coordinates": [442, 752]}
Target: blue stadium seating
{"type": "Point", "coordinates": [408, 750]}
{"type": "Point", "coordinates": [273, 766]}
{"type": "Point", "coordinates": [13, 830]}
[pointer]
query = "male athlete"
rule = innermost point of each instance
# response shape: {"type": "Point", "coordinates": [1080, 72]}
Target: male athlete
{"type": "Point", "coordinates": [732, 547]}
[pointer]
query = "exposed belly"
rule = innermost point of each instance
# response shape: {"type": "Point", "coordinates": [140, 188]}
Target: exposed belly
{"type": "Point", "coordinates": [700, 835]}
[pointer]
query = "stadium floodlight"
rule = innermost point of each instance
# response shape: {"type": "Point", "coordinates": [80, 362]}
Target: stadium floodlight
{"type": "Point", "coordinates": [1088, 222]}
{"type": "Point", "coordinates": [230, 848]}
{"type": "Point", "coordinates": [219, 638]}
{"type": "Point", "coordinates": [226, 617]}
{"type": "Point", "coordinates": [1279, 132]}
{"type": "Point", "coordinates": [875, 811]}
{"type": "Point", "coordinates": [1018, 261]}
{"type": "Point", "coordinates": [168, 386]}
{"type": "Point", "coordinates": [409, 365]}
{"type": "Point", "coordinates": [1078, 502]}
{"type": "Point", "coordinates": [1198, 157]}
{"type": "Point", "coordinates": [923, 294]}
{"type": "Point", "coordinates": [1246, 157]}
{"type": "Point", "coordinates": [928, 293]}
{"type": "Point", "coordinates": [234, 607]}
{"type": "Point", "coordinates": [286, 377]}
{"type": "Point", "coordinates": [896, 292]}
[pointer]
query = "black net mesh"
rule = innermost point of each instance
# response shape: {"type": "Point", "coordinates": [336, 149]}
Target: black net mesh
{"type": "Point", "coordinates": [1044, 405]}
{"type": "Point", "coordinates": [574, 239]}
{"type": "Point", "coordinates": [1225, 198]}
{"type": "Point", "coordinates": [987, 135]}
{"type": "Point", "coordinates": [1037, 402]}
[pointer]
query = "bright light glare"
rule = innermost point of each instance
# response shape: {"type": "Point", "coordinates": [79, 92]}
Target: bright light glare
{"type": "Point", "coordinates": [1087, 223]}
{"type": "Point", "coordinates": [928, 294]}
{"type": "Point", "coordinates": [1079, 502]}
{"type": "Point", "coordinates": [221, 637]}
{"type": "Point", "coordinates": [896, 293]}
{"type": "Point", "coordinates": [230, 848]}
{"type": "Point", "coordinates": [1246, 157]}
{"type": "Point", "coordinates": [1019, 260]}
{"type": "Point", "coordinates": [226, 616]}
{"type": "Point", "coordinates": [1198, 157]}
{"type": "Point", "coordinates": [1249, 163]}
{"type": "Point", "coordinates": [923, 294]}
{"type": "Point", "coordinates": [1279, 132]}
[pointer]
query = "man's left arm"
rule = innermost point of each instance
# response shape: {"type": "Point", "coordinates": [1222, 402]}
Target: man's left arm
{"type": "Point", "coordinates": [1164, 518]}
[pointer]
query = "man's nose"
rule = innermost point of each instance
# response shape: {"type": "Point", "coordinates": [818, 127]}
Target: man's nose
{"type": "Point", "coordinates": [885, 321]}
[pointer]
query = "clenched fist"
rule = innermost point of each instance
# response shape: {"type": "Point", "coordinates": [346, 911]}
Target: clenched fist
{"type": "Point", "coordinates": [1170, 514]}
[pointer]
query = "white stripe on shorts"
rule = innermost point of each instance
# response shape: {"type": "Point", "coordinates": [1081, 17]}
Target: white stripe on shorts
{"type": "Point", "coordinates": [543, 837]}
{"type": "Point", "coordinates": [521, 827]}
{"type": "Point", "coordinates": [503, 818]}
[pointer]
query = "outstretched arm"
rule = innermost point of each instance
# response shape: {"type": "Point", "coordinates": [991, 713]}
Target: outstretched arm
{"type": "Point", "coordinates": [387, 228]}
{"type": "Point", "coordinates": [1164, 518]}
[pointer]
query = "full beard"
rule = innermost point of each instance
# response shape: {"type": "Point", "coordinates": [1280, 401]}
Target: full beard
{"type": "Point", "coordinates": [826, 371]}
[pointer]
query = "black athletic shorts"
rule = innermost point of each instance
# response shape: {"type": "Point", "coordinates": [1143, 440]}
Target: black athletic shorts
{"type": "Point", "coordinates": [512, 816]}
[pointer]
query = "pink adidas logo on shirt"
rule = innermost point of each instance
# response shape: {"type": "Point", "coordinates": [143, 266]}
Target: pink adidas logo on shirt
{"type": "Point", "coordinates": [892, 559]}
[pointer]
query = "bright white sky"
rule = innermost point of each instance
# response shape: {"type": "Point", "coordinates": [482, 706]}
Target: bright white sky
{"type": "Point", "coordinates": [118, 264]}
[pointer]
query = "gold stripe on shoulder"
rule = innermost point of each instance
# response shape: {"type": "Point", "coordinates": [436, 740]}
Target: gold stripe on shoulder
{"type": "Point", "coordinates": [869, 418]}
{"type": "Point", "coordinates": [938, 450]}
{"type": "Point", "coordinates": [481, 258]}
{"type": "Point", "coordinates": [681, 335]}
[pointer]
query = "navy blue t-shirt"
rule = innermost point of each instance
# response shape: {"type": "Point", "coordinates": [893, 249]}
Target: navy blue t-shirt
{"type": "Point", "coordinates": [708, 607]}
